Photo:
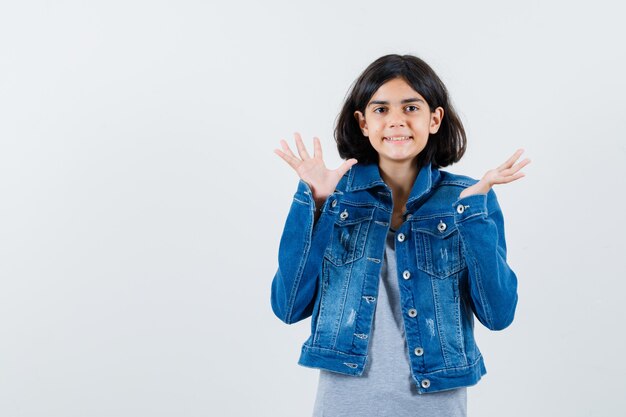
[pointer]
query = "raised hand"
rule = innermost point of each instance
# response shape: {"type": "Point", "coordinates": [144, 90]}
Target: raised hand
{"type": "Point", "coordinates": [312, 170]}
{"type": "Point", "coordinates": [505, 173]}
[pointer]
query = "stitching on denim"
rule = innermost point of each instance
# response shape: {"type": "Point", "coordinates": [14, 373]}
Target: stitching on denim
{"type": "Point", "coordinates": [374, 260]}
{"type": "Point", "coordinates": [454, 368]}
{"type": "Point", "coordinates": [478, 279]}
{"type": "Point", "coordinates": [481, 291]}
{"type": "Point", "coordinates": [438, 315]}
{"type": "Point", "coordinates": [343, 304]}
{"type": "Point", "coordinates": [457, 311]}
{"type": "Point", "coordinates": [357, 328]}
{"type": "Point", "coordinates": [410, 329]}
{"type": "Point", "coordinates": [296, 284]}
{"type": "Point", "coordinates": [480, 213]}
{"type": "Point", "coordinates": [431, 216]}
{"type": "Point", "coordinates": [461, 183]}
{"type": "Point", "coordinates": [384, 224]}
{"type": "Point", "coordinates": [300, 201]}
{"type": "Point", "coordinates": [316, 335]}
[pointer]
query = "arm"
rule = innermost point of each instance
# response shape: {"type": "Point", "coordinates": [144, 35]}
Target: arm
{"type": "Point", "coordinates": [300, 256]}
{"type": "Point", "coordinates": [306, 233]}
{"type": "Point", "coordinates": [492, 283]}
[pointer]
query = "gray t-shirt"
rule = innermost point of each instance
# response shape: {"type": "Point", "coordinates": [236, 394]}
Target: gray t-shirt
{"type": "Point", "coordinates": [386, 387]}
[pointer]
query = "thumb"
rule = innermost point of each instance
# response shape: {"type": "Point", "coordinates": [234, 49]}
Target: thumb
{"type": "Point", "coordinates": [343, 168]}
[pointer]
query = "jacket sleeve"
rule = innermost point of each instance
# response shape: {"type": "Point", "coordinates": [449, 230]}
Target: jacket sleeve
{"type": "Point", "coordinates": [300, 256]}
{"type": "Point", "coordinates": [492, 283]}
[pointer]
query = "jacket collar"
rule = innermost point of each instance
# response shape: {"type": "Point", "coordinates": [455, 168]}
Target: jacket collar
{"type": "Point", "coordinates": [364, 176]}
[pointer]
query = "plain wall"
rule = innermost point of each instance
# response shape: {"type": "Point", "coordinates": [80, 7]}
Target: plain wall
{"type": "Point", "coordinates": [141, 204]}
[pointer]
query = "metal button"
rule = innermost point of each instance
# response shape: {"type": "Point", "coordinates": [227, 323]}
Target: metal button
{"type": "Point", "coordinates": [460, 208]}
{"type": "Point", "coordinates": [408, 216]}
{"type": "Point", "coordinates": [412, 312]}
{"type": "Point", "coordinates": [334, 203]}
{"type": "Point", "coordinates": [406, 275]}
{"type": "Point", "coordinates": [419, 351]}
{"type": "Point", "coordinates": [425, 383]}
{"type": "Point", "coordinates": [442, 226]}
{"type": "Point", "coordinates": [344, 215]}
{"type": "Point", "coordinates": [401, 237]}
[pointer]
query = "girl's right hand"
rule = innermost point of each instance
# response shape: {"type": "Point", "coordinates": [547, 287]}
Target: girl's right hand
{"type": "Point", "coordinates": [313, 171]}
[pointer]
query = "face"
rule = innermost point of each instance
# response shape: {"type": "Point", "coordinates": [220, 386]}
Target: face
{"type": "Point", "coordinates": [398, 121]}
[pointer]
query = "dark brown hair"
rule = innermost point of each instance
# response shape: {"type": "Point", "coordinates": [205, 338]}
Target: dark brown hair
{"type": "Point", "coordinates": [443, 148]}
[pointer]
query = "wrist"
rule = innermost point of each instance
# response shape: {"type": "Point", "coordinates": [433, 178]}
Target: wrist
{"type": "Point", "coordinates": [480, 187]}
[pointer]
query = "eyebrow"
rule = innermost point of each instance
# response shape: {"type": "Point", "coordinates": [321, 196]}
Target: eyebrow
{"type": "Point", "coordinates": [406, 100]}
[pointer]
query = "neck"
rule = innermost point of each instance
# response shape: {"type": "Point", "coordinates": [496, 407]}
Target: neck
{"type": "Point", "coordinates": [400, 177]}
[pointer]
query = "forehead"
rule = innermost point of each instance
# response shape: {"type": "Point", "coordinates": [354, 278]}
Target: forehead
{"type": "Point", "coordinates": [395, 91]}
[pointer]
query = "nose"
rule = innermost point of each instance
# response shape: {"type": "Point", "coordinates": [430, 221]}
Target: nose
{"type": "Point", "coordinates": [396, 118]}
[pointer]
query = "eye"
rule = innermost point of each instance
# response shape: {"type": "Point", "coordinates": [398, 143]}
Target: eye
{"type": "Point", "coordinates": [412, 108]}
{"type": "Point", "coordinates": [376, 110]}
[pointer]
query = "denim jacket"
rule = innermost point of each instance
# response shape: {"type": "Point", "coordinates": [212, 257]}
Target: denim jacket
{"type": "Point", "coordinates": [451, 260]}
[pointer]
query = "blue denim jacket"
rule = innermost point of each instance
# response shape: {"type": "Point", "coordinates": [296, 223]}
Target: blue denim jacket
{"type": "Point", "coordinates": [451, 259]}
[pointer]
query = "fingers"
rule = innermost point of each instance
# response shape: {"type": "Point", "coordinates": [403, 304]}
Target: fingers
{"type": "Point", "coordinates": [509, 162]}
{"type": "Point", "coordinates": [286, 148]}
{"type": "Point", "coordinates": [511, 178]}
{"type": "Point", "coordinates": [343, 168]}
{"type": "Point", "coordinates": [509, 171]}
{"type": "Point", "coordinates": [317, 148]}
{"type": "Point", "coordinates": [301, 148]}
{"type": "Point", "coordinates": [291, 160]}
{"type": "Point", "coordinates": [515, 168]}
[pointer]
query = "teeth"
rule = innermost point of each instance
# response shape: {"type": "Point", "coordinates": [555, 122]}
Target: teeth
{"type": "Point", "coordinates": [398, 138]}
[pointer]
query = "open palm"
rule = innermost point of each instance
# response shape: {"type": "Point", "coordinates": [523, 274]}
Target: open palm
{"type": "Point", "coordinates": [312, 170]}
{"type": "Point", "coordinates": [507, 172]}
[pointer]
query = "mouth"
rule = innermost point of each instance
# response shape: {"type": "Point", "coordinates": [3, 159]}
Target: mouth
{"type": "Point", "coordinates": [397, 138]}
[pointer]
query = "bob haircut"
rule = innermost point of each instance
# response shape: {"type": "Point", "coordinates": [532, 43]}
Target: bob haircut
{"type": "Point", "coordinates": [443, 148]}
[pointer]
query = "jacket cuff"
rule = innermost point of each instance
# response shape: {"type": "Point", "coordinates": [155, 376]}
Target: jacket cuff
{"type": "Point", "coordinates": [304, 195]}
{"type": "Point", "coordinates": [470, 206]}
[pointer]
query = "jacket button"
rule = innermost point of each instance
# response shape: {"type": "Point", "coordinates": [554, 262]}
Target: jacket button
{"type": "Point", "coordinates": [442, 226]}
{"type": "Point", "coordinates": [418, 351]}
{"type": "Point", "coordinates": [401, 237]}
{"type": "Point", "coordinates": [344, 215]}
{"type": "Point", "coordinates": [406, 275]}
{"type": "Point", "coordinates": [425, 383]}
{"type": "Point", "coordinates": [408, 216]}
{"type": "Point", "coordinates": [334, 203]}
{"type": "Point", "coordinates": [412, 312]}
{"type": "Point", "coordinates": [460, 209]}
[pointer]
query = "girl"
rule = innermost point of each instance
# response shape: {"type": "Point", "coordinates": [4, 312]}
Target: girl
{"type": "Point", "coordinates": [392, 257]}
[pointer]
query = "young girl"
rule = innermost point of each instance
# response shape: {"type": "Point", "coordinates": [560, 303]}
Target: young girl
{"type": "Point", "coordinates": [392, 257]}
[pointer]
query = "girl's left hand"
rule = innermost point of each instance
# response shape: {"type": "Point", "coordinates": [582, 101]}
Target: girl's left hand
{"type": "Point", "coordinates": [505, 173]}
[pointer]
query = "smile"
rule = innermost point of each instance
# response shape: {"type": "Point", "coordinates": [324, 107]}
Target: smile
{"type": "Point", "coordinates": [397, 138]}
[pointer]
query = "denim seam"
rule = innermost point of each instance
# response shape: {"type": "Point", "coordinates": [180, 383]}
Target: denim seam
{"type": "Point", "coordinates": [479, 283]}
{"type": "Point", "coordinates": [481, 291]}
{"type": "Point", "coordinates": [343, 303]}
{"type": "Point", "coordinates": [471, 216]}
{"type": "Point", "coordinates": [300, 201]}
{"type": "Point", "coordinates": [438, 314]}
{"type": "Point", "coordinates": [296, 283]}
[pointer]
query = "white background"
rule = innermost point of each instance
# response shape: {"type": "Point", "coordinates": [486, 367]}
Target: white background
{"type": "Point", "coordinates": [141, 204]}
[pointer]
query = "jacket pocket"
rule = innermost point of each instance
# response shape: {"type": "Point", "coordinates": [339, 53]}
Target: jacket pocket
{"type": "Point", "coordinates": [438, 246]}
{"type": "Point", "coordinates": [349, 234]}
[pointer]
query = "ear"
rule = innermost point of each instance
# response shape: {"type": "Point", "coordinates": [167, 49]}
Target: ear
{"type": "Point", "coordinates": [360, 118]}
{"type": "Point", "coordinates": [435, 120]}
